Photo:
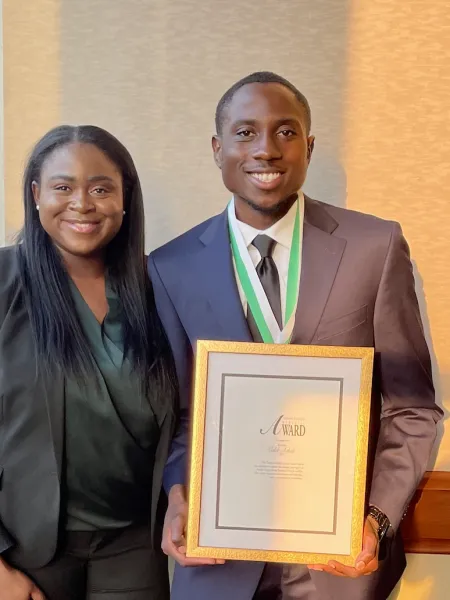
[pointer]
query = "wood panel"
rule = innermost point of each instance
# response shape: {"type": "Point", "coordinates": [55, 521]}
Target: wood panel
{"type": "Point", "coordinates": [426, 526]}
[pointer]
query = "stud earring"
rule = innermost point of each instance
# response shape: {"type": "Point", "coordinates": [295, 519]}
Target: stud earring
{"type": "Point", "coordinates": [124, 212]}
{"type": "Point", "coordinates": [37, 206]}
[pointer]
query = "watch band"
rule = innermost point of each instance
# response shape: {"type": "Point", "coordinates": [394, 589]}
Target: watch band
{"type": "Point", "coordinates": [381, 519]}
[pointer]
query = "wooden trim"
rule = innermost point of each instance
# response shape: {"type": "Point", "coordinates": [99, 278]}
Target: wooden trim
{"type": "Point", "coordinates": [426, 526]}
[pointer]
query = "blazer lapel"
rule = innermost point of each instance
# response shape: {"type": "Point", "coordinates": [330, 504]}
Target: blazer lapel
{"type": "Point", "coordinates": [45, 388]}
{"type": "Point", "coordinates": [217, 283]}
{"type": "Point", "coordinates": [321, 256]}
{"type": "Point", "coordinates": [54, 393]}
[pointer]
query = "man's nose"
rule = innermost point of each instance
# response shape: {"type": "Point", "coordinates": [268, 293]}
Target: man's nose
{"type": "Point", "coordinates": [266, 147]}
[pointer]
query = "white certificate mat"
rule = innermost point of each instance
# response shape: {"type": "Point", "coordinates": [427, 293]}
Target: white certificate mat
{"type": "Point", "coordinates": [279, 452]}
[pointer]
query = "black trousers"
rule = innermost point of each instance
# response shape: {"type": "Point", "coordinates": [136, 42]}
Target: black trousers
{"type": "Point", "coordinates": [105, 565]}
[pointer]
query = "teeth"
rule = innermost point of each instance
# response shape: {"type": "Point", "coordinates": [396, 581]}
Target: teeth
{"type": "Point", "coordinates": [266, 177]}
{"type": "Point", "coordinates": [82, 226]}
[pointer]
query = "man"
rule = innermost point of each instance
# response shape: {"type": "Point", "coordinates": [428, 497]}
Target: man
{"type": "Point", "coordinates": [356, 289]}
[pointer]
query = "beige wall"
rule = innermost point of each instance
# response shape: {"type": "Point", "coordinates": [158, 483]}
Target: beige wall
{"type": "Point", "coordinates": [426, 578]}
{"type": "Point", "coordinates": [397, 147]}
{"type": "Point", "coordinates": [31, 57]}
{"type": "Point", "coordinates": [377, 75]}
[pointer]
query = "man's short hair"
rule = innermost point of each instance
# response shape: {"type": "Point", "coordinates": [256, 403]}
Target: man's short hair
{"type": "Point", "coordinates": [260, 77]}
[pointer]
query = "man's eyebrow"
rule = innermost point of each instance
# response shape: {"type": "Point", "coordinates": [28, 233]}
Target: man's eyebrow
{"type": "Point", "coordinates": [290, 119]}
{"type": "Point", "coordinates": [241, 122]}
{"type": "Point", "coordinates": [278, 122]}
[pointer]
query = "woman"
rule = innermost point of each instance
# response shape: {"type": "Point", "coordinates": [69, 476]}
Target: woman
{"type": "Point", "coordinates": [87, 387]}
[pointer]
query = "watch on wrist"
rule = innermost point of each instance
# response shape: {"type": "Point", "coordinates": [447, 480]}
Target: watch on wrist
{"type": "Point", "coordinates": [381, 519]}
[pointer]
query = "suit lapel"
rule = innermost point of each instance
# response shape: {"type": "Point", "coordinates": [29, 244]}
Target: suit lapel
{"type": "Point", "coordinates": [53, 391]}
{"type": "Point", "coordinates": [321, 256]}
{"type": "Point", "coordinates": [216, 280]}
{"type": "Point", "coordinates": [43, 387]}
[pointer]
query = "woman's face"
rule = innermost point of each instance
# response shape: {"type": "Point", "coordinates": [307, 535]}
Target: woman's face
{"type": "Point", "coordinates": [80, 199]}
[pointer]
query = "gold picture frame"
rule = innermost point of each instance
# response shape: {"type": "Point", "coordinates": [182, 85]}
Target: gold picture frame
{"type": "Point", "coordinates": [199, 492]}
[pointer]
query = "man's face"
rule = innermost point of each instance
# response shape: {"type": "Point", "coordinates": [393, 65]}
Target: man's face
{"type": "Point", "coordinates": [264, 149]}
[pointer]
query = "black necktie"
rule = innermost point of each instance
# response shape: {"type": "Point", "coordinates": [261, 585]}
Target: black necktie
{"type": "Point", "coordinates": [268, 274]}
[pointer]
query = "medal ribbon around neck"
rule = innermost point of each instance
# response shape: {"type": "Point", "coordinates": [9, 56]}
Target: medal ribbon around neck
{"type": "Point", "coordinates": [251, 284]}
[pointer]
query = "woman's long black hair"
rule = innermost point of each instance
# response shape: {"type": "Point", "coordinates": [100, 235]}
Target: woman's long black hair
{"type": "Point", "coordinates": [60, 342]}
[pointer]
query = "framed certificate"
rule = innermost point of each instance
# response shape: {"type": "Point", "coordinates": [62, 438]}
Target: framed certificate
{"type": "Point", "coordinates": [279, 452]}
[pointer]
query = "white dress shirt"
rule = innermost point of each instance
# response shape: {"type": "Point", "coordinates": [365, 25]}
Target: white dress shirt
{"type": "Point", "coordinates": [281, 232]}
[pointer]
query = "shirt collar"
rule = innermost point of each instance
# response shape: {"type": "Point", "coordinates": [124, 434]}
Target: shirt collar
{"type": "Point", "coordinates": [281, 231]}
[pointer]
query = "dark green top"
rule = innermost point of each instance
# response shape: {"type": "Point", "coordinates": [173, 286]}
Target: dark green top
{"type": "Point", "coordinates": [111, 432]}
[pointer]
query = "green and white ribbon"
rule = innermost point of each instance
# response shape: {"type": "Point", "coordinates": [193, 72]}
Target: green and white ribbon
{"type": "Point", "coordinates": [251, 284]}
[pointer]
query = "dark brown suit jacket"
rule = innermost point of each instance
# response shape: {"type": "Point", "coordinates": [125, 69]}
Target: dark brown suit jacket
{"type": "Point", "coordinates": [356, 289]}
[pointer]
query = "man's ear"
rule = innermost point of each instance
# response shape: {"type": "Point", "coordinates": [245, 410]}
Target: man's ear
{"type": "Point", "coordinates": [311, 140]}
{"type": "Point", "coordinates": [216, 143]}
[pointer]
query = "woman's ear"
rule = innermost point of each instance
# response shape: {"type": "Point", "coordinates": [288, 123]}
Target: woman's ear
{"type": "Point", "coordinates": [36, 193]}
